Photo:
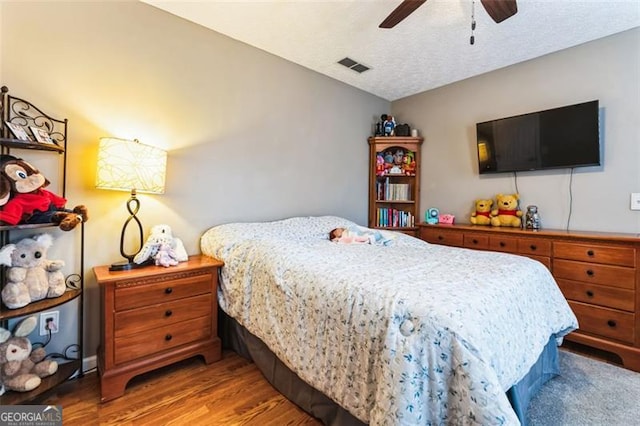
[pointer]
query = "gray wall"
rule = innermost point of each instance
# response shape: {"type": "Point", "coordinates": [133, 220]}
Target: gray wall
{"type": "Point", "coordinates": [607, 69]}
{"type": "Point", "coordinates": [250, 136]}
{"type": "Point", "coordinates": [253, 137]}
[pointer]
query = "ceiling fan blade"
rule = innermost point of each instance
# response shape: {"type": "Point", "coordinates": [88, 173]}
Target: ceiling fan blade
{"type": "Point", "coordinates": [499, 10]}
{"type": "Point", "coordinates": [405, 9]}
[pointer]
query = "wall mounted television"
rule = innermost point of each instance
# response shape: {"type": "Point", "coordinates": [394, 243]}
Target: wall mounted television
{"type": "Point", "coordinates": [564, 137]}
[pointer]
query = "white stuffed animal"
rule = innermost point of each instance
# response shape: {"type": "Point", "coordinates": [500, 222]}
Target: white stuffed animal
{"type": "Point", "coordinates": [159, 241]}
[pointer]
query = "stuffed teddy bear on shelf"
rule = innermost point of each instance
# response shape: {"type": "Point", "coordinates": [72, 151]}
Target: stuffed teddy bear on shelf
{"type": "Point", "coordinates": [22, 367]}
{"type": "Point", "coordinates": [23, 198]}
{"type": "Point", "coordinates": [508, 213]}
{"type": "Point", "coordinates": [30, 276]}
{"type": "Point", "coordinates": [482, 214]}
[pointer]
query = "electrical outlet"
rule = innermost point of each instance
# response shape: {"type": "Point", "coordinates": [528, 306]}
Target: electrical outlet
{"type": "Point", "coordinates": [635, 201]}
{"type": "Point", "coordinates": [49, 321]}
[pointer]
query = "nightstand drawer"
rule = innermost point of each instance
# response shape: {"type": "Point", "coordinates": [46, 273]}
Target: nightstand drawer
{"type": "Point", "coordinates": [162, 290]}
{"type": "Point", "coordinates": [604, 321]}
{"type": "Point", "coordinates": [157, 316]}
{"type": "Point", "coordinates": [621, 256]}
{"type": "Point", "coordinates": [153, 341]}
{"type": "Point", "coordinates": [614, 276]}
{"type": "Point", "coordinates": [611, 297]}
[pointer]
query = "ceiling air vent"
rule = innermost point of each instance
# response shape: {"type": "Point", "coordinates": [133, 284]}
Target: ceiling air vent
{"type": "Point", "coordinates": [351, 64]}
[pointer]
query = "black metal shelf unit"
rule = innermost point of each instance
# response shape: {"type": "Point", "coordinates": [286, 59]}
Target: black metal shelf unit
{"type": "Point", "coordinates": [22, 113]}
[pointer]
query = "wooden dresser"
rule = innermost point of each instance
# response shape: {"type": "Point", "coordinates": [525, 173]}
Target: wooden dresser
{"type": "Point", "coordinates": [154, 316]}
{"type": "Point", "coordinates": [598, 273]}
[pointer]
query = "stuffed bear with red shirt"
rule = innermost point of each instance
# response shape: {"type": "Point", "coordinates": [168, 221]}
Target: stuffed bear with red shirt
{"type": "Point", "coordinates": [23, 198]}
{"type": "Point", "coordinates": [507, 211]}
{"type": "Point", "coordinates": [482, 213]}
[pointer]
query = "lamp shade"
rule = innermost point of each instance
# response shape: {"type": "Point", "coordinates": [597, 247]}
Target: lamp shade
{"type": "Point", "coordinates": [126, 165]}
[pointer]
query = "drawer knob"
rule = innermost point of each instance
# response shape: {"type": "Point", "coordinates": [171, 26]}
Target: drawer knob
{"type": "Point", "coordinates": [589, 293]}
{"type": "Point", "coordinates": [474, 241]}
{"type": "Point", "coordinates": [590, 272]}
{"type": "Point", "coordinates": [440, 238]}
{"type": "Point", "coordinates": [611, 323]}
{"type": "Point", "coordinates": [502, 244]}
{"type": "Point", "coordinates": [168, 313]}
{"type": "Point", "coordinates": [168, 290]}
{"type": "Point", "coordinates": [168, 337]}
{"type": "Point", "coordinates": [533, 247]}
{"type": "Point", "coordinates": [590, 253]}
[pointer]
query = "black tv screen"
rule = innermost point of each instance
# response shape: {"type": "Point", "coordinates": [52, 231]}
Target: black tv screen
{"type": "Point", "coordinates": [562, 137]}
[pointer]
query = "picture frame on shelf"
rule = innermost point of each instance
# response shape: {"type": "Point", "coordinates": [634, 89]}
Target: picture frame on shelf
{"type": "Point", "coordinates": [41, 135]}
{"type": "Point", "coordinates": [18, 131]}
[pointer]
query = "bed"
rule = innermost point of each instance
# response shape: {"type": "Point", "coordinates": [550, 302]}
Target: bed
{"type": "Point", "coordinates": [407, 333]}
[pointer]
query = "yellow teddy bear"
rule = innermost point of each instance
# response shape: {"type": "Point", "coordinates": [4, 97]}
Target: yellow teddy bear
{"type": "Point", "coordinates": [507, 213]}
{"type": "Point", "coordinates": [482, 215]}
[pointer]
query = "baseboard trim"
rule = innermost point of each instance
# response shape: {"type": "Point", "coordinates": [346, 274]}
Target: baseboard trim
{"type": "Point", "coordinates": [89, 364]}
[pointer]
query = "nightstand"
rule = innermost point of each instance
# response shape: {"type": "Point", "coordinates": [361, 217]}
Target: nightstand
{"type": "Point", "coordinates": [155, 316]}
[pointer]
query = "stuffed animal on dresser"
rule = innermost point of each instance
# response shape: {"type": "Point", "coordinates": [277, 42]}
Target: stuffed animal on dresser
{"type": "Point", "coordinates": [482, 213]}
{"type": "Point", "coordinates": [508, 212]}
{"type": "Point", "coordinates": [162, 248]}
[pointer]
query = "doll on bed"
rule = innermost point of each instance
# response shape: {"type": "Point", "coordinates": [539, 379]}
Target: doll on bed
{"type": "Point", "coordinates": [356, 235]}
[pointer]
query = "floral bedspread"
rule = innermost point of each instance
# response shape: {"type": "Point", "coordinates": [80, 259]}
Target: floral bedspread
{"type": "Point", "coordinates": [406, 334]}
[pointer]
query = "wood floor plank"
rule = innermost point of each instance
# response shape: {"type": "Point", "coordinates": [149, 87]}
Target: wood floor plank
{"type": "Point", "coordinates": [231, 391]}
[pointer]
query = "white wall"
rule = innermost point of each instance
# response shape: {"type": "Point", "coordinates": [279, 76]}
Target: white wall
{"type": "Point", "coordinates": [250, 136]}
{"type": "Point", "coordinates": [607, 69]}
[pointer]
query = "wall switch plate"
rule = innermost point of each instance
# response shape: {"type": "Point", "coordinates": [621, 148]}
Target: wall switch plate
{"type": "Point", "coordinates": [635, 201]}
{"type": "Point", "coordinates": [49, 321]}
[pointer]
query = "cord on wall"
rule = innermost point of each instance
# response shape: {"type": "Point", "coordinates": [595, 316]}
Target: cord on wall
{"type": "Point", "coordinates": [515, 180]}
{"type": "Point", "coordinates": [570, 197]}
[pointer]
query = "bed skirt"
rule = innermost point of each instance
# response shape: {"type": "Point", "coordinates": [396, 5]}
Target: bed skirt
{"type": "Point", "coordinates": [318, 405]}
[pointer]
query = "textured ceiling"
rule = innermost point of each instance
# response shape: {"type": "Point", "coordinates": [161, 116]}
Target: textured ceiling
{"type": "Point", "coordinates": [428, 49]}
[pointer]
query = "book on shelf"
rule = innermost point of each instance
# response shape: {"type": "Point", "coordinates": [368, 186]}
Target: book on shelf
{"type": "Point", "coordinates": [387, 191]}
{"type": "Point", "coordinates": [393, 218]}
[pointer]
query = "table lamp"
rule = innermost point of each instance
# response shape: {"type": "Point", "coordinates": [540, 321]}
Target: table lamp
{"type": "Point", "coordinates": [125, 165]}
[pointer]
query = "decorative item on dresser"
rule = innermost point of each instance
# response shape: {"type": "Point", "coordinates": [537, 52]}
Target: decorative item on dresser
{"type": "Point", "coordinates": [598, 273]}
{"type": "Point", "coordinates": [154, 316]}
{"type": "Point", "coordinates": [394, 183]}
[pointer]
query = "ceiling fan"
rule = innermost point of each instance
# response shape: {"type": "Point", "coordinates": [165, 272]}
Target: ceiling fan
{"type": "Point", "coordinates": [499, 10]}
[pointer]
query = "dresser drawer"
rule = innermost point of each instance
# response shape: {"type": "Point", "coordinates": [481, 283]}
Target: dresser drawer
{"type": "Point", "coordinates": [476, 241]}
{"type": "Point", "coordinates": [614, 276]}
{"type": "Point", "coordinates": [604, 321]}
{"type": "Point", "coordinates": [139, 345]}
{"type": "Point", "coordinates": [168, 289]}
{"type": "Point", "coordinates": [538, 247]}
{"type": "Point", "coordinates": [440, 236]}
{"type": "Point", "coordinates": [611, 297]}
{"type": "Point", "coordinates": [610, 255]}
{"type": "Point", "coordinates": [546, 261]}
{"type": "Point", "coordinates": [152, 317]}
{"type": "Point", "coordinates": [501, 243]}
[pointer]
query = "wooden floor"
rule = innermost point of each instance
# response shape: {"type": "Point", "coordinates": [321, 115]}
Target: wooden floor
{"type": "Point", "coordinates": [229, 392]}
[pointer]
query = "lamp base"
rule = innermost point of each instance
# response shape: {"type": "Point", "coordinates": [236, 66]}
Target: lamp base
{"type": "Point", "coordinates": [125, 266]}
